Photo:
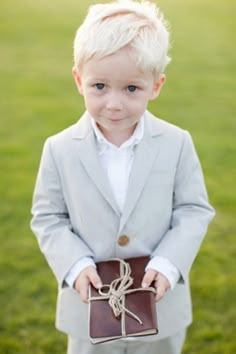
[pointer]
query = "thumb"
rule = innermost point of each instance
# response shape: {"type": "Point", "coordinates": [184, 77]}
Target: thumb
{"type": "Point", "coordinates": [149, 277]}
{"type": "Point", "coordinates": [95, 279]}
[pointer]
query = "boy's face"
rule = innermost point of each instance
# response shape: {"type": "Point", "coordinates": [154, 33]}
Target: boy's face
{"type": "Point", "coordinates": [116, 92]}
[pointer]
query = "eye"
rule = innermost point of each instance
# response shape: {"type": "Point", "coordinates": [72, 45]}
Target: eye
{"type": "Point", "coordinates": [100, 86]}
{"type": "Point", "coordinates": [132, 88]}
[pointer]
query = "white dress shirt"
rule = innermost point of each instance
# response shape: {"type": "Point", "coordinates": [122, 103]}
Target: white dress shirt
{"type": "Point", "coordinates": [117, 163]}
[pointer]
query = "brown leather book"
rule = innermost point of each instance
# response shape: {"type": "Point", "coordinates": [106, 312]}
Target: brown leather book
{"type": "Point", "coordinates": [121, 308]}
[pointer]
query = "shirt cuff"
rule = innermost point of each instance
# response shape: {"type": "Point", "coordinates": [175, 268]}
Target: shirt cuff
{"type": "Point", "coordinates": [77, 268]}
{"type": "Point", "coordinates": [164, 266]}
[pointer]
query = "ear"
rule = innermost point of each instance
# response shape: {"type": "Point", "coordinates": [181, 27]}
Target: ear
{"type": "Point", "coordinates": [157, 87]}
{"type": "Point", "coordinates": [78, 80]}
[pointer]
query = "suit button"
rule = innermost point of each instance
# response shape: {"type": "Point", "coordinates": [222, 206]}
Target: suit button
{"type": "Point", "coordinates": [123, 240]}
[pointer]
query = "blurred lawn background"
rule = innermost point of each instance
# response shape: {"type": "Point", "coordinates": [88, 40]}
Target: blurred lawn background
{"type": "Point", "coordinates": [38, 98]}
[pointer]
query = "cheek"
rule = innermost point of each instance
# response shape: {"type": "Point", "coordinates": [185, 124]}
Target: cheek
{"type": "Point", "coordinates": [92, 103]}
{"type": "Point", "coordinates": [139, 104]}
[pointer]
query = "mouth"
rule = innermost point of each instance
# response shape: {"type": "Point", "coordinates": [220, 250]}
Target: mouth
{"type": "Point", "coordinates": [112, 119]}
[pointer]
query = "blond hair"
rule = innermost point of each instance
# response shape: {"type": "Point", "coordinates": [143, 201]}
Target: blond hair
{"type": "Point", "coordinates": [109, 27]}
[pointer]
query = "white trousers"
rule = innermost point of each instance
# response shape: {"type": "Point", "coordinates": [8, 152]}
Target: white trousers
{"type": "Point", "coordinates": [170, 345]}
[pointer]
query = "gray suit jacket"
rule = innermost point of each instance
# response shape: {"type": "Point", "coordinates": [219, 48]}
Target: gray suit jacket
{"type": "Point", "coordinates": [166, 213]}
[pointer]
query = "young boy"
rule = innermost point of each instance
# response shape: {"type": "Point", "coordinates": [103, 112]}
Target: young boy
{"type": "Point", "coordinates": [120, 182]}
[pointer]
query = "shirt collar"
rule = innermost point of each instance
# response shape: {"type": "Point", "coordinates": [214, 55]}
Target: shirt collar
{"type": "Point", "coordinates": [135, 138]}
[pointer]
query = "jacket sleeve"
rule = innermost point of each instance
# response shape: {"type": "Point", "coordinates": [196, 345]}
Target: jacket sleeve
{"type": "Point", "coordinates": [51, 222]}
{"type": "Point", "coordinates": [191, 212]}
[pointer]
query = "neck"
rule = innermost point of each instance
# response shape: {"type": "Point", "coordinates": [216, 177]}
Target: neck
{"type": "Point", "coordinates": [117, 138]}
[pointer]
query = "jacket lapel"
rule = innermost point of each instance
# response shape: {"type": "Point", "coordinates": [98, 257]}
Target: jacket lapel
{"type": "Point", "coordinates": [88, 155]}
{"type": "Point", "coordinates": [145, 155]}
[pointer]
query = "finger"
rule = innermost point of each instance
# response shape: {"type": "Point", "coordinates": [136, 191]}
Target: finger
{"type": "Point", "coordinates": [160, 292]}
{"type": "Point", "coordinates": [149, 277]}
{"type": "Point", "coordinates": [83, 289]}
{"type": "Point", "coordinates": [162, 285]}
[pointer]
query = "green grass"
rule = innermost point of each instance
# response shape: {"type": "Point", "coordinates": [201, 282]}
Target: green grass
{"type": "Point", "coordinates": [38, 98]}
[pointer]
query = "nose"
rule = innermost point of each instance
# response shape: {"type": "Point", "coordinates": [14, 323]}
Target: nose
{"type": "Point", "coordinates": [114, 102]}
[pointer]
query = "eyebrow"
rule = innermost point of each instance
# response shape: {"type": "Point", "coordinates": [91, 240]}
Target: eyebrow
{"type": "Point", "coordinates": [95, 79]}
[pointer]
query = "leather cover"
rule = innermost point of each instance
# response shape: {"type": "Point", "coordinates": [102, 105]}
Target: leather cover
{"type": "Point", "coordinates": [103, 325]}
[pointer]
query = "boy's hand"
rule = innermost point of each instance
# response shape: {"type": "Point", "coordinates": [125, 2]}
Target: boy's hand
{"type": "Point", "coordinates": [87, 276]}
{"type": "Point", "coordinates": [160, 281]}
